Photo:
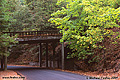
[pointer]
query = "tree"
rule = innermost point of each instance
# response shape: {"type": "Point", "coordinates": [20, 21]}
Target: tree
{"type": "Point", "coordinates": [85, 24]}
{"type": "Point", "coordinates": [34, 15]}
{"type": "Point", "coordinates": [41, 11]}
{"type": "Point", "coordinates": [6, 14]}
{"type": "Point", "coordinates": [5, 40]}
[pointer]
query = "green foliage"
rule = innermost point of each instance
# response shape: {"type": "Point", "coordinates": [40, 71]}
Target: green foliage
{"type": "Point", "coordinates": [40, 13]}
{"type": "Point", "coordinates": [5, 20]}
{"type": "Point", "coordinates": [23, 19]}
{"type": "Point", "coordinates": [33, 14]}
{"type": "Point", "coordinates": [5, 42]}
{"type": "Point", "coordinates": [6, 14]}
{"type": "Point", "coordinates": [85, 23]}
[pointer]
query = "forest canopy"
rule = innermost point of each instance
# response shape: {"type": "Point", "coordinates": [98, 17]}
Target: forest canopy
{"type": "Point", "coordinates": [24, 15]}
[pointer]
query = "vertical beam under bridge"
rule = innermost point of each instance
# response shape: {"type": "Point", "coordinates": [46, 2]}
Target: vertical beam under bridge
{"type": "Point", "coordinates": [40, 55]}
{"type": "Point", "coordinates": [46, 54]}
{"type": "Point", "coordinates": [53, 44]}
{"type": "Point", "coordinates": [63, 57]}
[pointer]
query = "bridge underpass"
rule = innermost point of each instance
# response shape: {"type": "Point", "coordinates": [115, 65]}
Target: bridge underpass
{"type": "Point", "coordinates": [38, 37]}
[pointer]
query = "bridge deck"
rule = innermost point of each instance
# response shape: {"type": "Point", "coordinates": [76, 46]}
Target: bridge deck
{"type": "Point", "coordinates": [36, 36]}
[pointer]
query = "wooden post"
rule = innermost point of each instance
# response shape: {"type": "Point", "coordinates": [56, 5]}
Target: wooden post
{"type": "Point", "coordinates": [58, 63]}
{"type": "Point", "coordinates": [37, 33]}
{"type": "Point", "coordinates": [2, 63]}
{"type": "Point", "coordinates": [53, 55]}
{"type": "Point", "coordinates": [50, 62]}
{"type": "Point", "coordinates": [46, 54]}
{"type": "Point", "coordinates": [5, 63]}
{"type": "Point", "coordinates": [59, 60]}
{"type": "Point", "coordinates": [63, 56]}
{"type": "Point", "coordinates": [40, 55]}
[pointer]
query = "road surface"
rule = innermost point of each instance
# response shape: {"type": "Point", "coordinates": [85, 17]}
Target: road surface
{"type": "Point", "coordinates": [34, 73]}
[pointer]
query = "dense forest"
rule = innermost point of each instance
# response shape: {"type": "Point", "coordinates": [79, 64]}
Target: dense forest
{"type": "Point", "coordinates": [24, 15]}
{"type": "Point", "coordinates": [91, 28]}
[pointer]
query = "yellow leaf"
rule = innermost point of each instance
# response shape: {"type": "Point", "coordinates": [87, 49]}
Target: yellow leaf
{"type": "Point", "coordinates": [87, 40]}
{"type": "Point", "coordinates": [91, 42]}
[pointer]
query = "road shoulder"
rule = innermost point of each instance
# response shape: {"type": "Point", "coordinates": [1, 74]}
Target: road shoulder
{"type": "Point", "coordinates": [10, 75]}
{"type": "Point", "coordinates": [104, 76]}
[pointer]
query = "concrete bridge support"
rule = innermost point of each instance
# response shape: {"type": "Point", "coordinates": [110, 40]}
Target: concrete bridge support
{"type": "Point", "coordinates": [53, 59]}
{"type": "Point", "coordinates": [53, 45]}
{"type": "Point", "coordinates": [40, 55]}
{"type": "Point", "coordinates": [63, 56]}
{"type": "Point", "coordinates": [46, 55]}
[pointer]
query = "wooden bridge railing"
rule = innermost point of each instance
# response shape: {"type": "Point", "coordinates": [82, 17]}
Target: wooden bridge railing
{"type": "Point", "coordinates": [34, 33]}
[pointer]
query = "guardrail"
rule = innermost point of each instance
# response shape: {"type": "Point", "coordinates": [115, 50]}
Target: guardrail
{"type": "Point", "coordinates": [34, 33]}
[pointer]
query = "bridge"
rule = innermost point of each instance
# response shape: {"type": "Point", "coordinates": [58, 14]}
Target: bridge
{"type": "Point", "coordinates": [39, 37]}
{"type": "Point", "coordinates": [30, 37]}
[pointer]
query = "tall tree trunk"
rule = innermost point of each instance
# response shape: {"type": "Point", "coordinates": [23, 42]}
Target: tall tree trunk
{"type": "Point", "coordinates": [5, 62]}
{"type": "Point", "coordinates": [2, 63]}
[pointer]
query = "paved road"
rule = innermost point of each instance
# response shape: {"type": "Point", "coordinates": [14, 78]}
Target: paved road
{"type": "Point", "coordinates": [33, 73]}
